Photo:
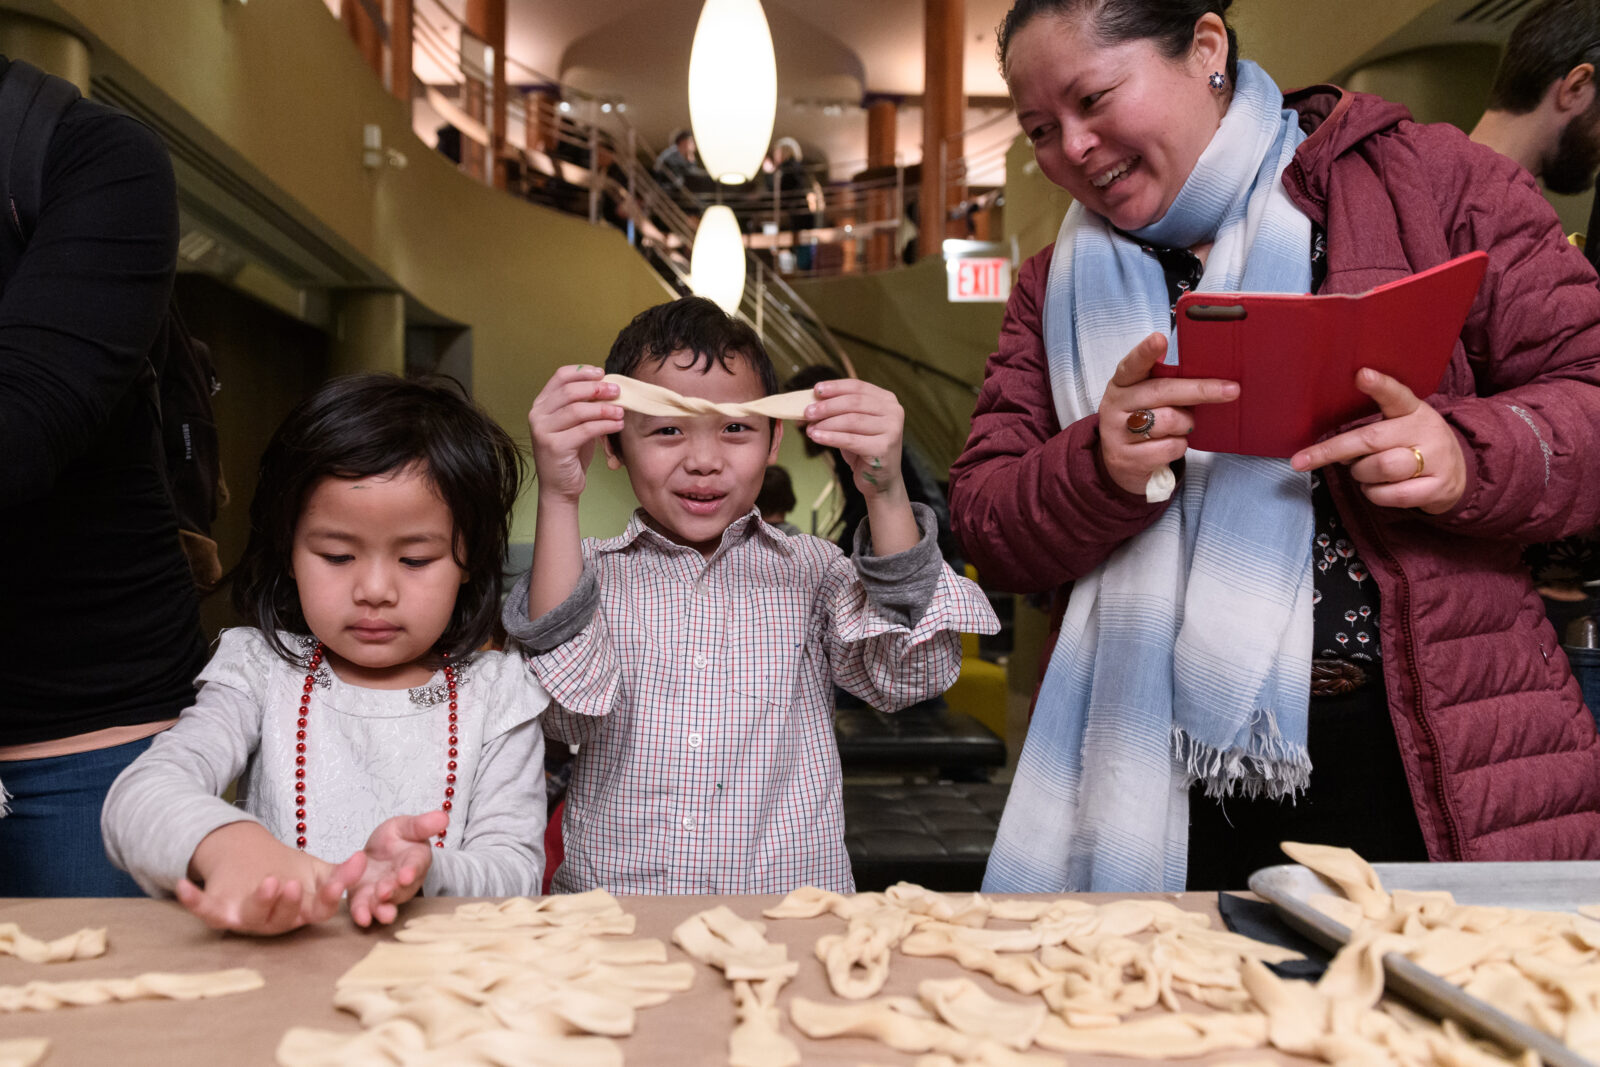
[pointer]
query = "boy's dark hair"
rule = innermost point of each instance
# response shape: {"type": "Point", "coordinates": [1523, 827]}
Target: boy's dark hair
{"type": "Point", "coordinates": [368, 424]}
{"type": "Point", "coordinates": [1551, 39]}
{"type": "Point", "coordinates": [689, 324]}
{"type": "Point", "coordinates": [777, 492]}
{"type": "Point", "coordinates": [1169, 24]}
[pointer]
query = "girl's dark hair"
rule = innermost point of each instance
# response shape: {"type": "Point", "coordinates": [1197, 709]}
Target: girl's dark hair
{"type": "Point", "coordinates": [370, 424]}
{"type": "Point", "coordinates": [1169, 23]}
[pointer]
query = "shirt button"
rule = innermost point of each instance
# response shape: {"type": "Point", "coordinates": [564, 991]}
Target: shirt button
{"type": "Point", "coordinates": [688, 822]}
{"type": "Point", "coordinates": [699, 661]}
{"type": "Point", "coordinates": [694, 740]}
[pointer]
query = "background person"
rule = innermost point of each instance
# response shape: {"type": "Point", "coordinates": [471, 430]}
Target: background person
{"type": "Point", "coordinates": [1196, 622]}
{"type": "Point", "coordinates": [1544, 111]}
{"type": "Point", "coordinates": [776, 499]}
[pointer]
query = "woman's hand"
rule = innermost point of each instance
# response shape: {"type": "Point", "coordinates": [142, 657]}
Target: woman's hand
{"type": "Point", "coordinates": [1408, 459]}
{"type": "Point", "coordinates": [568, 418]}
{"type": "Point", "coordinates": [1131, 452]}
{"type": "Point", "coordinates": [255, 884]}
{"type": "Point", "coordinates": [398, 857]}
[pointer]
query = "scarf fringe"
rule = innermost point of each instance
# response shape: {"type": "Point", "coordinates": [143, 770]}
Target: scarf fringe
{"type": "Point", "coordinates": [5, 801]}
{"type": "Point", "coordinates": [1279, 770]}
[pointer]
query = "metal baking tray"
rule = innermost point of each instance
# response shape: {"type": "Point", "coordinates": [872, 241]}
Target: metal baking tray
{"type": "Point", "coordinates": [1534, 886]}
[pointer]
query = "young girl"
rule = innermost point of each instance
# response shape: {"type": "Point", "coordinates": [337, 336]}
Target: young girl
{"type": "Point", "coordinates": [363, 719]}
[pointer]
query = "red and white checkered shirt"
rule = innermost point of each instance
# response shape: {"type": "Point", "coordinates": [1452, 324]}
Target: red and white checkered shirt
{"type": "Point", "coordinates": [701, 694]}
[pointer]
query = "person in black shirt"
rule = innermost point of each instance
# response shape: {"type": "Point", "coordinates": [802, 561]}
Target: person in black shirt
{"type": "Point", "coordinates": [100, 635]}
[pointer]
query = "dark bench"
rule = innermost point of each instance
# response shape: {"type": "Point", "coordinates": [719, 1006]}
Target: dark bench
{"type": "Point", "coordinates": [937, 835]}
{"type": "Point", "coordinates": [916, 737]}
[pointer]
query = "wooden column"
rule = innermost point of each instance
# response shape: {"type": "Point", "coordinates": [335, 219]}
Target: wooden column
{"type": "Point", "coordinates": [364, 32]}
{"type": "Point", "coordinates": [400, 49]}
{"type": "Point", "coordinates": [943, 114]}
{"type": "Point", "coordinates": [882, 114]}
{"type": "Point", "coordinates": [487, 19]}
{"type": "Point", "coordinates": [52, 48]}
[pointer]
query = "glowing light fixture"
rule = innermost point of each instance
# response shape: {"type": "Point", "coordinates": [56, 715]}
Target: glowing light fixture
{"type": "Point", "coordinates": [716, 266]}
{"type": "Point", "coordinates": [733, 88]}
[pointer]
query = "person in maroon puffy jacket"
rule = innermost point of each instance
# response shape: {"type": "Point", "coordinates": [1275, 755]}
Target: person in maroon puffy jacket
{"type": "Point", "coordinates": [1444, 721]}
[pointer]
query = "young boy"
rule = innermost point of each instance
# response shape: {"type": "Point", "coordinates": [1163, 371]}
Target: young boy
{"type": "Point", "coordinates": [712, 639]}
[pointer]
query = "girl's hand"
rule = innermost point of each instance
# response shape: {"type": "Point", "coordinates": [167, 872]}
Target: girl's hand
{"type": "Point", "coordinates": [255, 884]}
{"type": "Point", "coordinates": [1131, 452]}
{"type": "Point", "coordinates": [568, 417]}
{"type": "Point", "coordinates": [398, 855]}
{"type": "Point", "coordinates": [866, 424]}
{"type": "Point", "coordinates": [1408, 459]}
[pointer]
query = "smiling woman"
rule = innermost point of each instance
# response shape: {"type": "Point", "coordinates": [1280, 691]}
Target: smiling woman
{"type": "Point", "coordinates": [1344, 643]}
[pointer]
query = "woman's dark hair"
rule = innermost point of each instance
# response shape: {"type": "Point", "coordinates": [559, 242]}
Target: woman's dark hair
{"type": "Point", "coordinates": [1169, 23]}
{"type": "Point", "coordinates": [1552, 38]}
{"type": "Point", "coordinates": [369, 424]}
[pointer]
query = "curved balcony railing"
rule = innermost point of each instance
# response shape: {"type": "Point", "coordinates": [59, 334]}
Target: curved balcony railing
{"type": "Point", "coordinates": [579, 153]}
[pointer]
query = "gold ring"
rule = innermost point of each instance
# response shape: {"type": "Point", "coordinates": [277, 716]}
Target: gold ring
{"type": "Point", "coordinates": [1415, 451]}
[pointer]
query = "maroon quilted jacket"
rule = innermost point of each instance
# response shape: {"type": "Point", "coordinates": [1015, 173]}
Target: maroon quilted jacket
{"type": "Point", "coordinates": [1501, 756]}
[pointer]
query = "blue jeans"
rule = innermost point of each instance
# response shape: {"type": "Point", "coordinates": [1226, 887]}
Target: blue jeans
{"type": "Point", "coordinates": [1586, 667]}
{"type": "Point", "coordinates": [50, 844]}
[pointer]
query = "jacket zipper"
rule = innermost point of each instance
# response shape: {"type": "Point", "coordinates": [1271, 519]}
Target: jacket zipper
{"type": "Point", "coordinates": [1453, 831]}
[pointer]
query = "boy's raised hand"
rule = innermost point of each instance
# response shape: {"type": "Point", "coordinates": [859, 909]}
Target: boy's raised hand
{"type": "Point", "coordinates": [867, 425]}
{"type": "Point", "coordinates": [252, 883]}
{"type": "Point", "coordinates": [398, 856]}
{"type": "Point", "coordinates": [568, 418]}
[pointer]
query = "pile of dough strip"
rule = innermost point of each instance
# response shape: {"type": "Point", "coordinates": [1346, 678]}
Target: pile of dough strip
{"type": "Point", "coordinates": [1133, 977]}
{"type": "Point", "coordinates": [517, 983]}
{"type": "Point", "coordinates": [85, 944]}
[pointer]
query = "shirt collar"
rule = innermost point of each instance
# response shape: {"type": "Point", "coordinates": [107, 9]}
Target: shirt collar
{"type": "Point", "coordinates": [738, 530]}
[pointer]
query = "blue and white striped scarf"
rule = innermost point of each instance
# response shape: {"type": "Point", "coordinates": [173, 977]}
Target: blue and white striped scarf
{"type": "Point", "coordinates": [1185, 656]}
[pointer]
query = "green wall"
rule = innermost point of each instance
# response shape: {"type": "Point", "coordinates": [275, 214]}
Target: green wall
{"type": "Point", "coordinates": [277, 92]}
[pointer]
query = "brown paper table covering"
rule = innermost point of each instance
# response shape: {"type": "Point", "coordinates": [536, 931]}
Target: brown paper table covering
{"type": "Point", "coordinates": [300, 969]}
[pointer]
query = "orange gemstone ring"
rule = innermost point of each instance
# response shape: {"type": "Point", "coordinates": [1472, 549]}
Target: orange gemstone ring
{"type": "Point", "coordinates": [1141, 422]}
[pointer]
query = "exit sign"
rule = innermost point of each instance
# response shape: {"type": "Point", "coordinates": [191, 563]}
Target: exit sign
{"type": "Point", "coordinates": [985, 280]}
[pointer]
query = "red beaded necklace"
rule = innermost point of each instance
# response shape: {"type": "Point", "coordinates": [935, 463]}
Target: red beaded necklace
{"type": "Point", "coordinates": [300, 747]}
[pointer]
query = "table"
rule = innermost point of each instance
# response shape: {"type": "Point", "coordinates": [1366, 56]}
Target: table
{"type": "Point", "coordinates": [300, 970]}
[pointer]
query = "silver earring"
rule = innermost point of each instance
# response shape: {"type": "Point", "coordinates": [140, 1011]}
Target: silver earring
{"type": "Point", "coordinates": [1217, 81]}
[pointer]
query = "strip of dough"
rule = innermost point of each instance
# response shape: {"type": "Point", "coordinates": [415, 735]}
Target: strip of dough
{"type": "Point", "coordinates": [959, 1002]}
{"type": "Point", "coordinates": [23, 1052]}
{"type": "Point", "coordinates": [47, 996]}
{"type": "Point", "coordinates": [84, 945]}
{"type": "Point", "coordinates": [648, 399]}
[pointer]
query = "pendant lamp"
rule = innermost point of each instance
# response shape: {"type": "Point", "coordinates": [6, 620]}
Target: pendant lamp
{"type": "Point", "coordinates": [733, 88]}
{"type": "Point", "coordinates": [716, 266]}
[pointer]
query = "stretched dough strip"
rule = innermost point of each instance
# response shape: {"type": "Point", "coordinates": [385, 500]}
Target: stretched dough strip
{"type": "Point", "coordinates": [23, 1052]}
{"type": "Point", "coordinates": [84, 945]}
{"type": "Point", "coordinates": [47, 996]}
{"type": "Point", "coordinates": [648, 399]}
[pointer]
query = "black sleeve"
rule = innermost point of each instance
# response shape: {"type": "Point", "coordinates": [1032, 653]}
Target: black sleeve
{"type": "Point", "coordinates": [79, 314]}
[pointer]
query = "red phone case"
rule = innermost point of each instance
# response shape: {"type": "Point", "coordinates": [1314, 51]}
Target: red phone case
{"type": "Point", "coordinates": [1295, 357]}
